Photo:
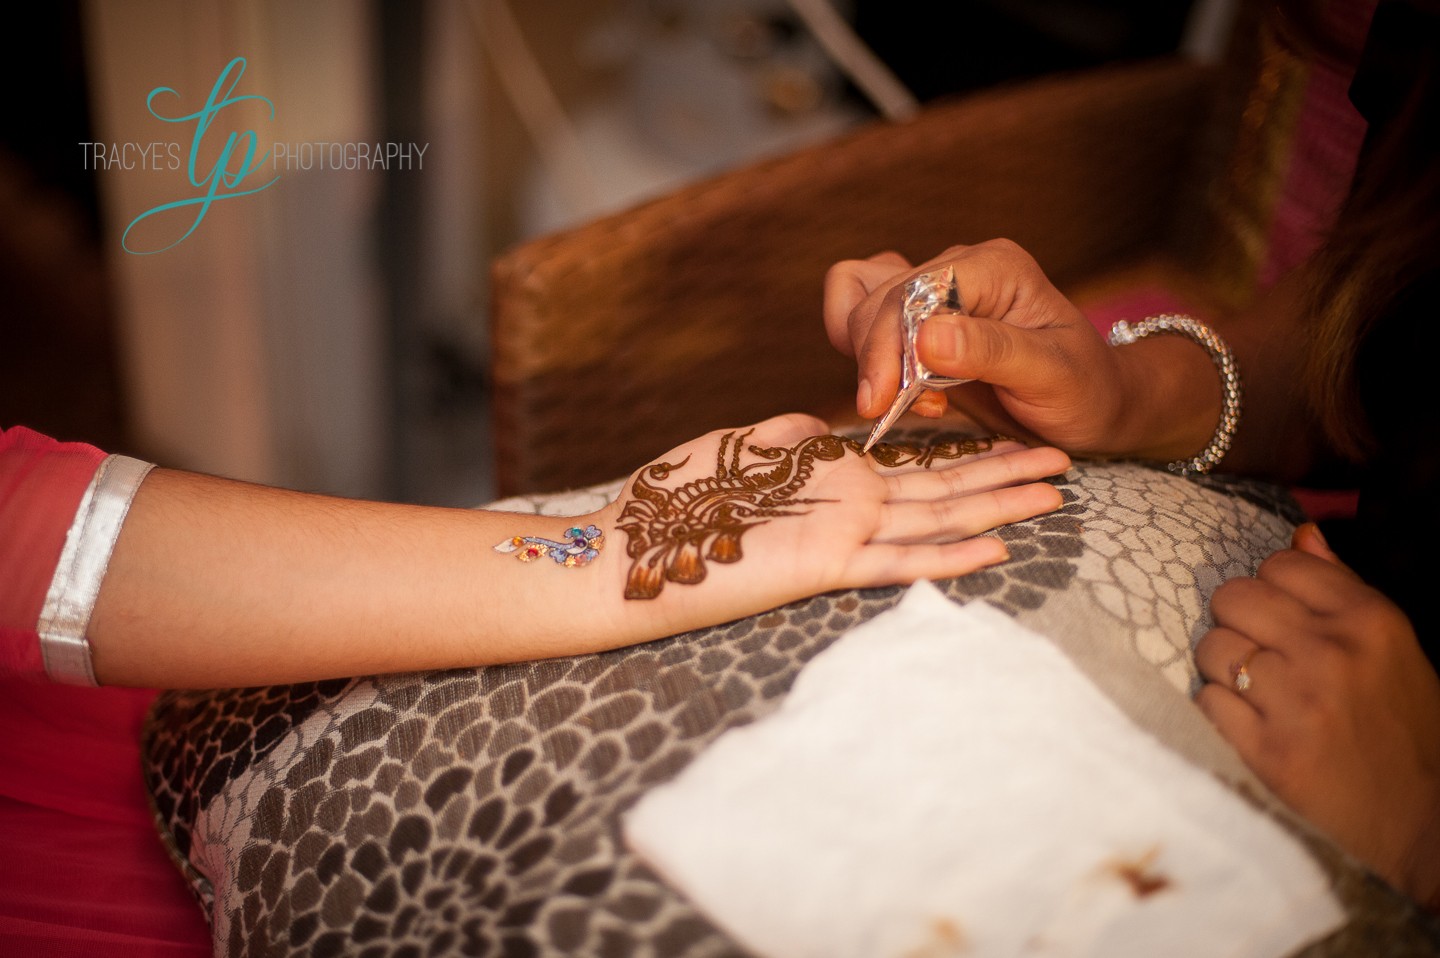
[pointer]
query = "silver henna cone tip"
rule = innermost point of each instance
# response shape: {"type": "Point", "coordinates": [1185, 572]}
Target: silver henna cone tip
{"type": "Point", "coordinates": [903, 401]}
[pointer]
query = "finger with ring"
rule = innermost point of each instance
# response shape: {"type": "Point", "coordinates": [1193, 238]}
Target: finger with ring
{"type": "Point", "coordinates": [1240, 675]}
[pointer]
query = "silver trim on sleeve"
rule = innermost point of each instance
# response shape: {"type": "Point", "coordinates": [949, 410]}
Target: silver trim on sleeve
{"type": "Point", "coordinates": [76, 584]}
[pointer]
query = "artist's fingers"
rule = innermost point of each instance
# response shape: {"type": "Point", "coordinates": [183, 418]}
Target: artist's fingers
{"type": "Point", "coordinates": [1223, 654]}
{"type": "Point", "coordinates": [1233, 716]}
{"type": "Point", "coordinates": [1012, 465]}
{"type": "Point", "coordinates": [1322, 584]}
{"type": "Point", "coordinates": [1307, 538]}
{"type": "Point", "coordinates": [848, 284]}
{"type": "Point", "coordinates": [1266, 614]}
{"type": "Point", "coordinates": [1220, 652]}
{"type": "Point", "coordinates": [931, 404]}
{"type": "Point", "coordinates": [877, 565]}
{"type": "Point", "coordinates": [876, 332]}
{"type": "Point", "coordinates": [943, 520]}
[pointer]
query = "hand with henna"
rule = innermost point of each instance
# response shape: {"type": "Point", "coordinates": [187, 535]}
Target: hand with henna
{"type": "Point", "coordinates": [744, 520]}
{"type": "Point", "coordinates": [1319, 683]}
{"type": "Point", "coordinates": [220, 583]}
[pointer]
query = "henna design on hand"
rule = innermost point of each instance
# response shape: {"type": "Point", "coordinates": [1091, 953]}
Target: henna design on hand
{"type": "Point", "coordinates": [673, 532]}
{"type": "Point", "coordinates": [941, 447]}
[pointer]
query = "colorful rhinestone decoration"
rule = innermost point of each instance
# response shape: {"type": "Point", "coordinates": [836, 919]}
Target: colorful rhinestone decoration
{"type": "Point", "coordinates": [579, 547]}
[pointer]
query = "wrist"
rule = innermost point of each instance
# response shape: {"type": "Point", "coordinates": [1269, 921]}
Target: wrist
{"type": "Point", "coordinates": [1171, 399]}
{"type": "Point", "coordinates": [615, 621]}
{"type": "Point", "coordinates": [542, 601]}
{"type": "Point", "coordinates": [617, 618]}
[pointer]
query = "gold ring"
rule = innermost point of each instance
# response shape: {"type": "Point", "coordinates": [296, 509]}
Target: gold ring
{"type": "Point", "coordinates": [1241, 671]}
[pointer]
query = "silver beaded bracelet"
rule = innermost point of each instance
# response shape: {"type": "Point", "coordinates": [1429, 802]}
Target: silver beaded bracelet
{"type": "Point", "coordinates": [1123, 334]}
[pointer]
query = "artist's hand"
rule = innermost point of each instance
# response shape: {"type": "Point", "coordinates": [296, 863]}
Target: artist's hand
{"type": "Point", "coordinates": [1341, 716]}
{"type": "Point", "coordinates": [744, 520]}
{"type": "Point", "coordinates": [1042, 369]}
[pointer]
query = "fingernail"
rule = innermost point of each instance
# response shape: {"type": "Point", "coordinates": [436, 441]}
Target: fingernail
{"type": "Point", "coordinates": [1312, 531]}
{"type": "Point", "coordinates": [931, 405]}
{"type": "Point", "coordinates": [862, 397]}
{"type": "Point", "coordinates": [939, 339]}
{"type": "Point", "coordinates": [1004, 554]}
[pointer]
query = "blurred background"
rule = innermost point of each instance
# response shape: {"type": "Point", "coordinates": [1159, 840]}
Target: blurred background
{"type": "Point", "coordinates": [328, 332]}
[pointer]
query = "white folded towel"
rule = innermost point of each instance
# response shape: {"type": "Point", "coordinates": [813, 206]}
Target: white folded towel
{"type": "Point", "coordinates": [941, 781]}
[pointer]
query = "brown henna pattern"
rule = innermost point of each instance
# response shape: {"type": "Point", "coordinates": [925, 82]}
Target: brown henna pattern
{"type": "Point", "coordinates": [673, 532]}
{"type": "Point", "coordinates": [903, 454]}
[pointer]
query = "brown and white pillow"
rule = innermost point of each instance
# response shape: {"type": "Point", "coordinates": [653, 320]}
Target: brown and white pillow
{"type": "Point", "coordinates": [474, 812]}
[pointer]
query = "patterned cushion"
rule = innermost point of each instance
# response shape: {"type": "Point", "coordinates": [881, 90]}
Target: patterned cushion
{"type": "Point", "coordinates": [475, 811]}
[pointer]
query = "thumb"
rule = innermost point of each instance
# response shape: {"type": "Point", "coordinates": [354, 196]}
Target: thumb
{"type": "Point", "coordinates": [969, 348]}
{"type": "Point", "coordinates": [1307, 538]}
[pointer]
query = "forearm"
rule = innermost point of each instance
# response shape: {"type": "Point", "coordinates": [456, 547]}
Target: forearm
{"type": "Point", "coordinates": [217, 583]}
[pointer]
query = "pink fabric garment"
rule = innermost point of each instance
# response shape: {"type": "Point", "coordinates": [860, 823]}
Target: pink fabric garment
{"type": "Point", "coordinates": [1324, 148]}
{"type": "Point", "coordinates": [41, 483]}
{"type": "Point", "coordinates": [1134, 305]}
{"type": "Point", "coordinates": [83, 872]}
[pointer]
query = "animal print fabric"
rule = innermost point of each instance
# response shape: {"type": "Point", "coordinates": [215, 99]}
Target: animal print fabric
{"type": "Point", "coordinates": [475, 812]}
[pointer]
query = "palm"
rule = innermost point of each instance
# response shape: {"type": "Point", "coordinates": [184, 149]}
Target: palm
{"type": "Point", "coordinates": [761, 516]}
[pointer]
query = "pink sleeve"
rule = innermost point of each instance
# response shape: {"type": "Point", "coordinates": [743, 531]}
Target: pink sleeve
{"type": "Point", "coordinates": [41, 484]}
